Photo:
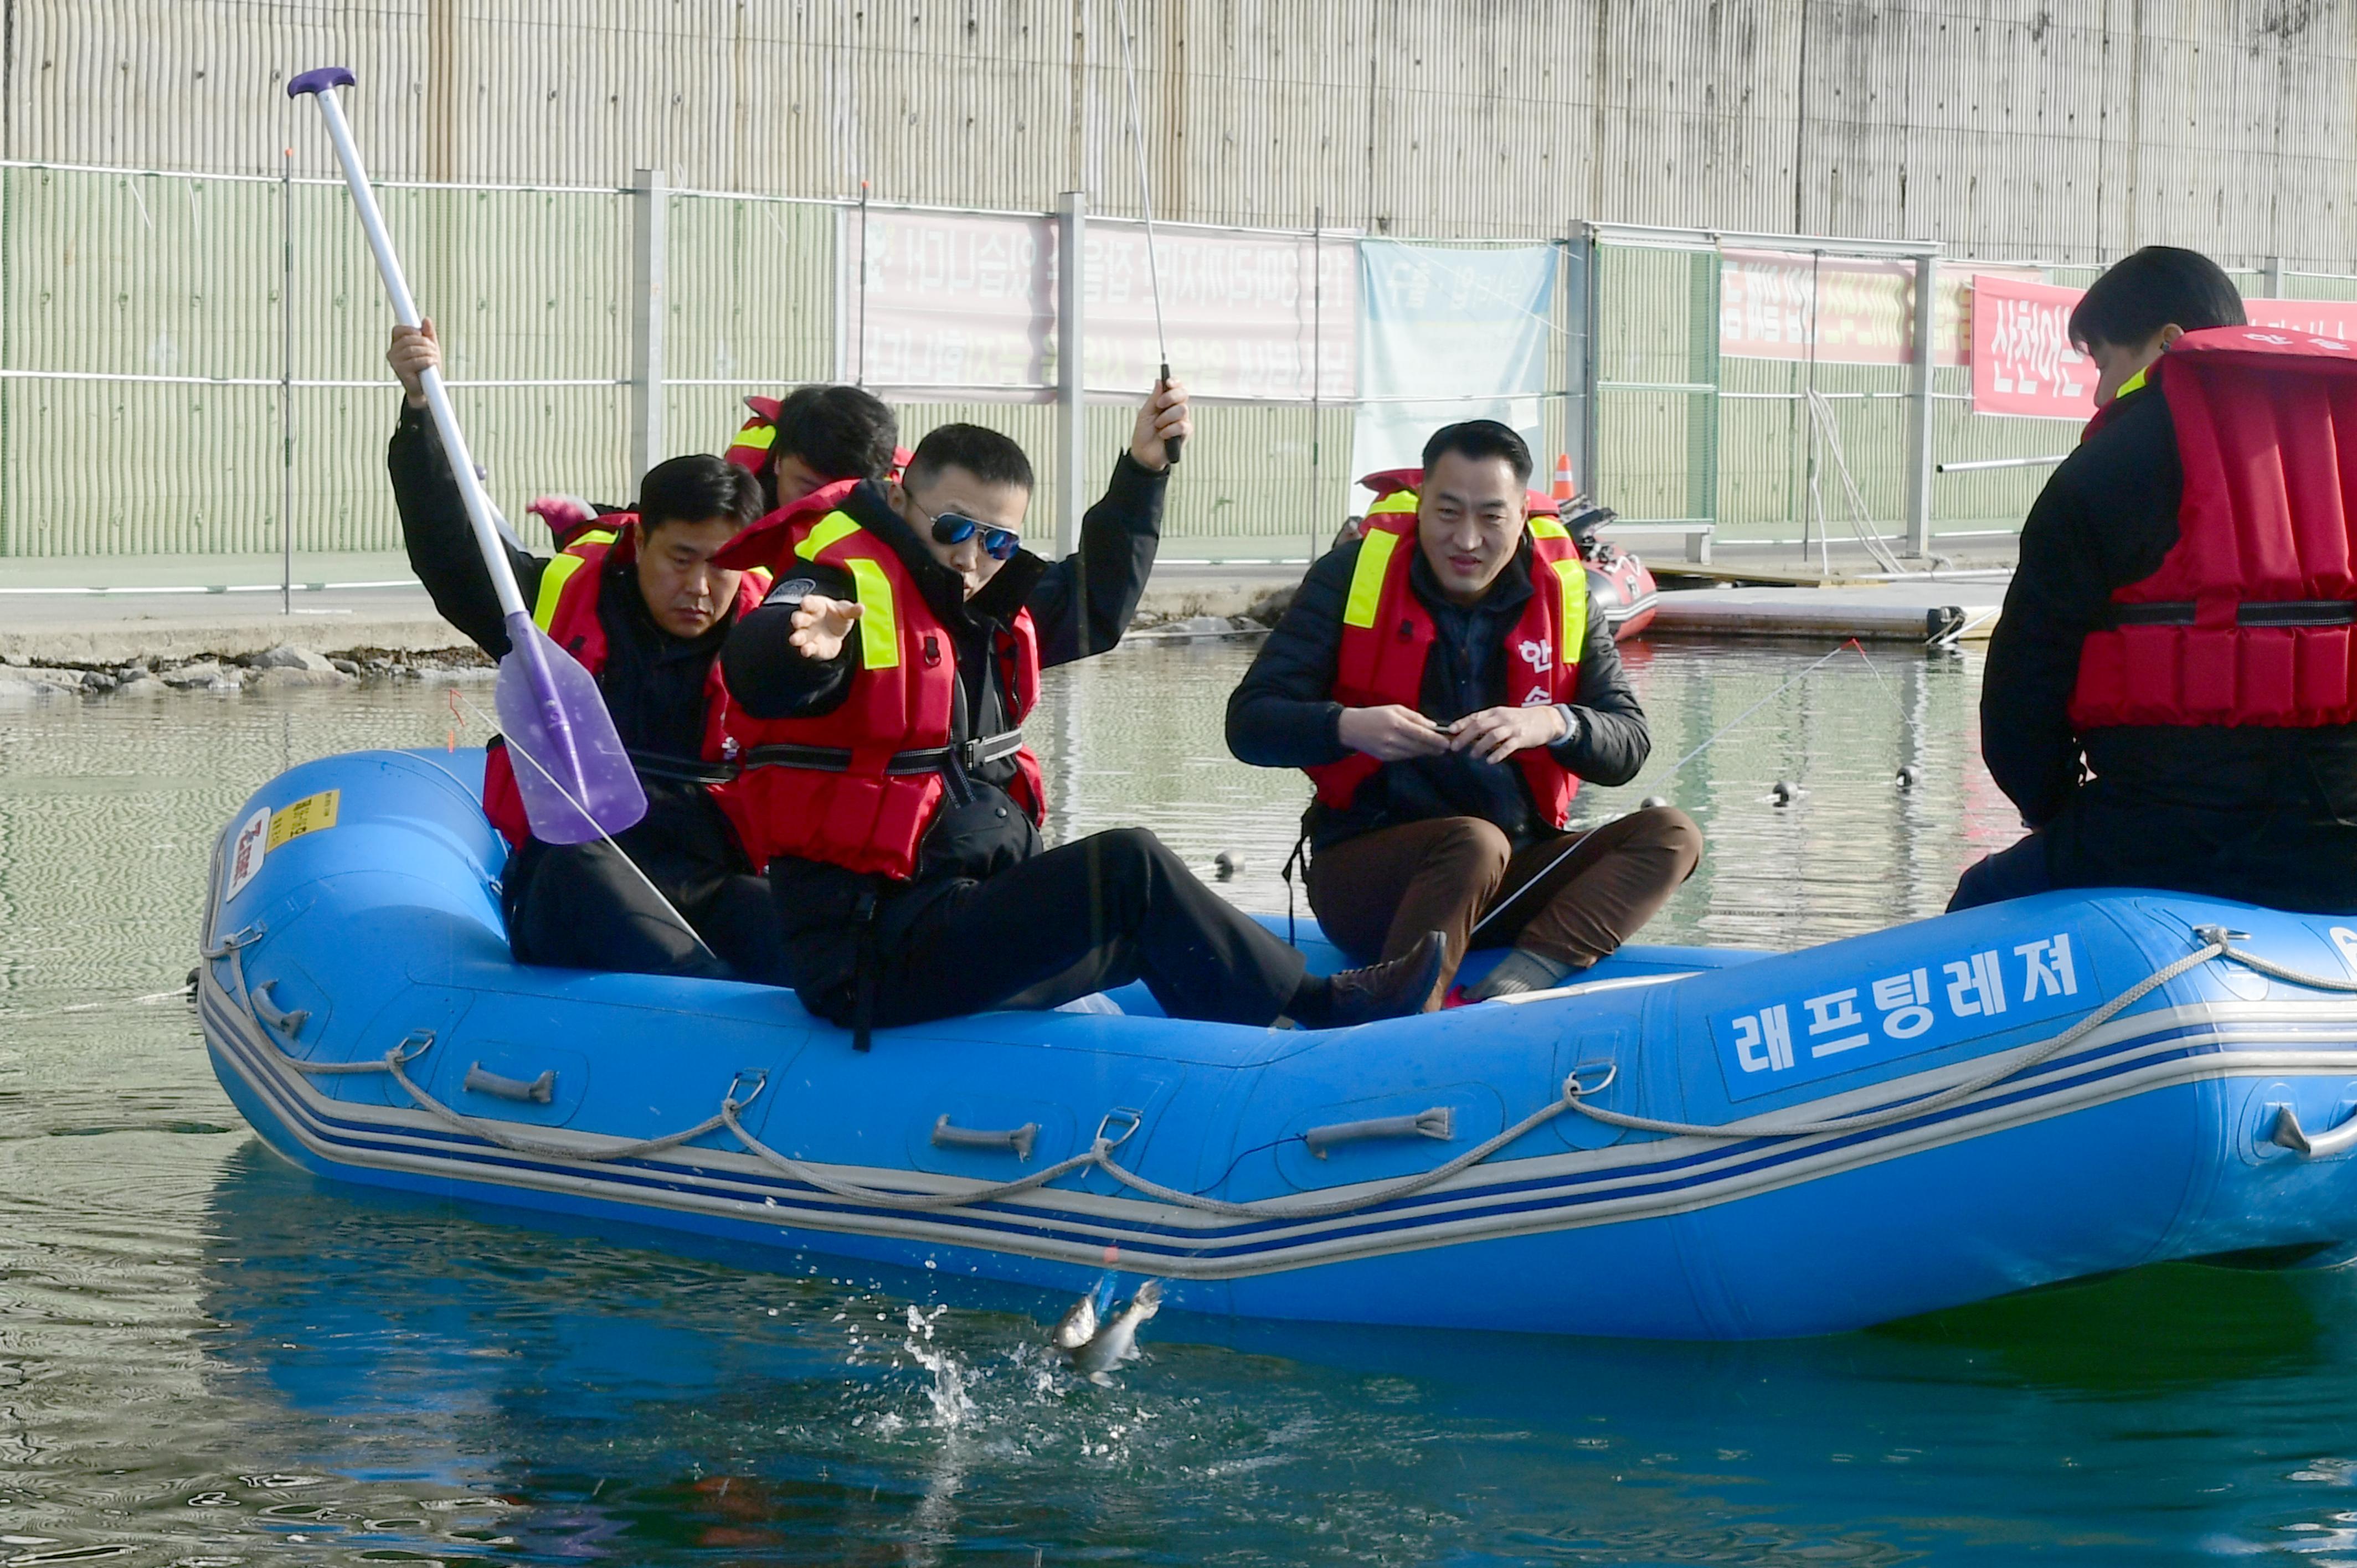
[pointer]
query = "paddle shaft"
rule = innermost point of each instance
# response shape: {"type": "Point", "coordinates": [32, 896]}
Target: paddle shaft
{"type": "Point", "coordinates": [438, 397]}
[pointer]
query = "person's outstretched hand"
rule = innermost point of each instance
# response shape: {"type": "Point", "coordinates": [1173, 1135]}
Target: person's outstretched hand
{"type": "Point", "coordinates": [821, 624]}
{"type": "Point", "coordinates": [415, 351]}
{"type": "Point", "coordinates": [1161, 418]}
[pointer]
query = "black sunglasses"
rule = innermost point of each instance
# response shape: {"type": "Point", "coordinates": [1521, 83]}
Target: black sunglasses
{"type": "Point", "coordinates": [954, 528]}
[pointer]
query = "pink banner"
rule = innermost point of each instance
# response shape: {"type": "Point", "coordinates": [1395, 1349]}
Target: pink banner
{"type": "Point", "coordinates": [1865, 310]}
{"type": "Point", "coordinates": [2023, 362]}
{"type": "Point", "coordinates": [1245, 320]}
{"type": "Point", "coordinates": [939, 300]}
{"type": "Point", "coordinates": [965, 307]}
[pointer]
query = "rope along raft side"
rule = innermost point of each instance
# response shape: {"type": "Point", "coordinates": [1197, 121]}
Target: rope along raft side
{"type": "Point", "coordinates": [2217, 943]}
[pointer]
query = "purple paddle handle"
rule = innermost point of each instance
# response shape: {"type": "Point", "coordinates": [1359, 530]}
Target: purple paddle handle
{"type": "Point", "coordinates": [522, 636]}
{"type": "Point", "coordinates": [320, 79]}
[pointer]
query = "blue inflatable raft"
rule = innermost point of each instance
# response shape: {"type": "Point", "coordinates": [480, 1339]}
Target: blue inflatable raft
{"type": "Point", "coordinates": [1690, 1143]}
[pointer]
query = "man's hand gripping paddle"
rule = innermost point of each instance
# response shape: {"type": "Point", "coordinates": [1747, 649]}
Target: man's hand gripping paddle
{"type": "Point", "coordinates": [576, 781]}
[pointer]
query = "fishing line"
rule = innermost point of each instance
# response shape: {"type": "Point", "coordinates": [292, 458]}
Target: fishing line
{"type": "Point", "coordinates": [1170, 443]}
{"type": "Point", "coordinates": [1713, 739]}
{"type": "Point", "coordinates": [149, 999]}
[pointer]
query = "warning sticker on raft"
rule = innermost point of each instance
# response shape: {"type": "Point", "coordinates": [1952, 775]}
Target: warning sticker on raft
{"type": "Point", "coordinates": [267, 829]}
{"type": "Point", "coordinates": [1880, 1018]}
{"type": "Point", "coordinates": [307, 815]}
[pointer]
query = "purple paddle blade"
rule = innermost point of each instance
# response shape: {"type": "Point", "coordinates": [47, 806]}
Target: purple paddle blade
{"type": "Point", "coordinates": [570, 767]}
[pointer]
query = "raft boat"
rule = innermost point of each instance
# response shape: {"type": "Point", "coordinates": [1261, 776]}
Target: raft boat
{"type": "Point", "coordinates": [1692, 1142]}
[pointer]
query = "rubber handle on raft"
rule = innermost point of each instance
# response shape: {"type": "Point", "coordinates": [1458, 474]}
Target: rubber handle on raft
{"type": "Point", "coordinates": [320, 79]}
{"type": "Point", "coordinates": [1438, 1123]}
{"type": "Point", "coordinates": [289, 1024]}
{"type": "Point", "coordinates": [2288, 1133]}
{"type": "Point", "coordinates": [1018, 1139]}
{"type": "Point", "coordinates": [540, 1091]}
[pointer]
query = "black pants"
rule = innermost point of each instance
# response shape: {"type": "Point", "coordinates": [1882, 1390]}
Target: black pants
{"type": "Point", "coordinates": [581, 906]}
{"type": "Point", "coordinates": [1084, 917]}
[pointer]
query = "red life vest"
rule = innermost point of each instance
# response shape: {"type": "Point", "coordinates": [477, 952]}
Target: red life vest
{"type": "Point", "coordinates": [566, 608]}
{"type": "Point", "coordinates": [2248, 619]}
{"type": "Point", "coordinates": [768, 541]}
{"type": "Point", "coordinates": [1387, 634]}
{"type": "Point", "coordinates": [858, 787]}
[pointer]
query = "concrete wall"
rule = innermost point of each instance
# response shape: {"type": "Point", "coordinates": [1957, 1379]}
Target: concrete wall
{"type": "Point", "coordinates": [2065, 130]}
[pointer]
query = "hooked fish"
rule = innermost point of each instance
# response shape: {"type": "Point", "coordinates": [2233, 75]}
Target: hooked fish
{"type": "Point", "coordinates": [1079, 1324]}
{"type": "Point", "coordinates": [1116, 1342]}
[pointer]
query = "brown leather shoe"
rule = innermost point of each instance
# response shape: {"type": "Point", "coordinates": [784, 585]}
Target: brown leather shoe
{"type": "Point", "coordinates": [1391, 990]}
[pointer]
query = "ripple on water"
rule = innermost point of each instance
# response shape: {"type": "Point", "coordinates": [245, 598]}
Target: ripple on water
{"type": "Point", "coordinates": [206, 1357]}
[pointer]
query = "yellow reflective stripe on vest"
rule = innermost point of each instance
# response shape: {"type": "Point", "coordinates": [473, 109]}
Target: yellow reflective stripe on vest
{"type": "Point", "coordinates": [553, 578]}
{"type": "Point", "coordinates": [1573, 576]}
{"type": "Point", "coordinates": [757, 435]}
{"type": "Point", "coordinates": [832, 526]}
{"type": "Point", "coordinates": [1548, 528]}
{"type": "Point", "coordinates": [879, 630]}
{"type": "Point", "coordinates": [1398, 500]}
{"type": "Point", "coordinates": [1367, 577]}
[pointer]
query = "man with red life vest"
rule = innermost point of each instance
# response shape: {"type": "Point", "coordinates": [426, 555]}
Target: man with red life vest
{"type": "Point", "coordinates": [892, 667]}
{"type": "Point", "coordinates": [2168, 693]}
{"type": "Point", "coordinates": [815, 436]}
{"type": "Point", "coordinates": [636, 599]}
{"type": "Point", "coordinates": [1444, 683]}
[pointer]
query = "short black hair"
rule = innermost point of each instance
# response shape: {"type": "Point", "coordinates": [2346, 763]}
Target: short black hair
{"type": "Point", "coordinates": [838, 432]}
{"type": "Point", "coordinates": [2158, 286]}
{"type": "Point", "coordinates": [1480, 438]}
{"type": "Point", "coordinates": [696, 489]}
{"type": "Point", "coordinates": [989, 456]}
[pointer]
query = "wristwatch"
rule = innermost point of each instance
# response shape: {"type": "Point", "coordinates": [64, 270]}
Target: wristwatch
{"type": "Point", "coordinates": [1571, 725]}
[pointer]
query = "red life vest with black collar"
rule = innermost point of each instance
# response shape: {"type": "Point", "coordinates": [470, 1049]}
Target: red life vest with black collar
{"type": "Point", "coordinates": [2248, 619]}
{"type": "Point", "coordinates": [566, 608]}
{"type": "Point", "coordinates": [1387, 634]}
{"type": "Point", "coordinates": [859, 787]}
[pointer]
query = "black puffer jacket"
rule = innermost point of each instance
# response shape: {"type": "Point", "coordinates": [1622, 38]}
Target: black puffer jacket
{"type": "Point", "coordinates": [1283, 714]}
{"type": "Point", "coordinates": [2266, 815]}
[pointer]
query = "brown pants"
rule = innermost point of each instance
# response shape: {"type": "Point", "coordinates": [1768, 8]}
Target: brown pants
{"type": "Point", "coordinates": [1376, 895]}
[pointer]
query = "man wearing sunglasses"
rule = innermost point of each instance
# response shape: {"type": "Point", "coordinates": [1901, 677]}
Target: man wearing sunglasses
{"type": "Point", "coordinates": [890, 789]}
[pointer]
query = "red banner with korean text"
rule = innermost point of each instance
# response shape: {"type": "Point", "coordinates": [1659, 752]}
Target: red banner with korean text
{"type": "Point", "coordinates": [2023, 362]}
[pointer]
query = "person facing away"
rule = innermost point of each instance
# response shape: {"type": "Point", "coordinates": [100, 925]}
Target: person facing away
{"type": "Point", "coordinates": [1443, 683]}
{"type": "Point", "coordinates": [893, 666]}
{"type": "Point", "coordinates": [640, 603]}
{"type": "Point", "coordinates": [2130, 768]}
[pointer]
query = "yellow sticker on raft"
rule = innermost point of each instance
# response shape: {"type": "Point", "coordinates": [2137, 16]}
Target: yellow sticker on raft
{"type": "Point", "coordinates": [307, 815]}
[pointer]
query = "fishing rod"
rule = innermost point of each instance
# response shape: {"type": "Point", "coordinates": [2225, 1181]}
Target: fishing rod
{"type": "Point", "coordinates": [1712, 739]}
{"type": "Point", "coordinates": [1170, 443]}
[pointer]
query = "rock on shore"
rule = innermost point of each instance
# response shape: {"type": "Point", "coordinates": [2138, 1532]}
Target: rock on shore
{"type": "Point", "coordinates": [285, 667]}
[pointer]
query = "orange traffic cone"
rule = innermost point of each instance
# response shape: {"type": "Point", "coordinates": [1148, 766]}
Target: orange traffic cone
{"type": "Point", "coordinates": [1564, 489]}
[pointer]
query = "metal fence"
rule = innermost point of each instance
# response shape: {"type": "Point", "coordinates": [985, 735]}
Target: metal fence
{"type": "Point", "coordinates": [191, 370]}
